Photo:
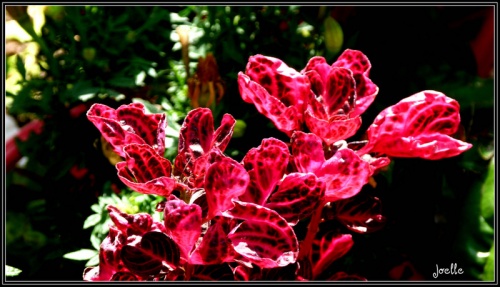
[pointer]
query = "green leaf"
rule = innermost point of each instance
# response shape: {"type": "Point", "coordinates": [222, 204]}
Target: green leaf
{"type": "Point", "coordinates": [20, 67]}
{"type": "Point", "coordinates": [11, 271]}
{"type": "Point", "coordinates": [489, 268]}
{"type": "Point", "coordinates": [488, 194]}
{"type": "Point", "coordinates": [91, 220]}
{"type": "Point", "coordinates": [82, 254]}
{"type": "Point", "coordinates": [93, 261]}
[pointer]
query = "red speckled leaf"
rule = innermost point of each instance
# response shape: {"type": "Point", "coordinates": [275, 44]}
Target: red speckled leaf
{"type": "Point", "coordinates": [307, 151]}
{"type": "Point", "coordinates": [285, 118]}
{"type": "Point", "coordinates": [214, 272]}
{"type": "Point", "coordinates": [123, 276]}
{"type": "Point", "coordinates": [366, 90]}
{"type": "Point", "coordinates": [335, 128]}
{"type": "Point", "coordinates": [298, 195]}
{"type": "Point", "coordinates": [361, 213]}
{"type": "Point", "coordinates": [145, 171]}
{"type": "Point", "coordinates": [197, 138]}
{"type": "Point", "coordinates": [153, 253]}
{"type": "Point", "coordinates": [130, 224]}
{"type": "Point", "coordinates": [266, 166]}
{"type": "Point", "coordinates": [340, 91]}
{"type": "Point", "coordinates": [264, 237]}
{"type": "Point", "coordinates": [345, 174]}
{"type": "Point", "coordinates": [280, 81]}
{"type": "Point", "coordinates": [225, 180]}
{"type": "Point", "coordinates": [328, 249]}
{"type": "Point", "coordinates": [215, 248]}
{"type": "Point", "coordinates": [129, 124]}
{"type": "Point", "coordinates": [109, 257]}
{"type": "Point", "coordinates": [183, 223]}
{"type": "Point", "coordinates": [418, 126]}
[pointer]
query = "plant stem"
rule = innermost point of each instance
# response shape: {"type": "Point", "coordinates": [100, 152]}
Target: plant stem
{"type": "Point", "coordinates": [312, 229]}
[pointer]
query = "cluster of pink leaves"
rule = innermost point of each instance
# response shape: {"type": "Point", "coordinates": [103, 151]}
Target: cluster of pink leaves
{"type": "Point", "coordinates": [229, 220]}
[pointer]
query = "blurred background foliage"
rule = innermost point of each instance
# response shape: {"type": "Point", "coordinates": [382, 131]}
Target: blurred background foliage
{"type": "Point", "coordinates": [62, 59]}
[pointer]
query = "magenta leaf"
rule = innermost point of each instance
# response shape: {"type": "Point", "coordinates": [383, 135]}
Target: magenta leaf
{"type": "Point", "coordinates": [417, 126]}
{"type": "Point", "coordinates": [266, 166]}
{"type": "Point", "coordinates": [328, 249]}
{"type": "Point", "coordinates": [145, 171]}
{"type": "Point", "coordinates": [183, 223]}
{"type": "Point", "coordinates": [361, 213]}
{"type": "Point", "coordinates": [130, 224]}
{"type": "Point", "coordinates": [366, 90]}
{"type": "Point", "coordinates": [109, 257]}
{"type": "Point", "coordinates": [155, 252]}
{"type": "Point", "coordinates": [307, 150]}
{"type": "Point", "coordinates": [215, 248]}
{"type": "Point", "coordinates": [264, 237]}
{"type": "Point", "coordinates": [345, 173]}
{"type": "Point", "coordinates": [298, 195]}
{"type": "Point", "coordinates": [286, 118]}
{"type": "Point", "coordinates": [213, 272]}
{"type": "Point", "coordinates": [197, 138]}
{"type": "Point", "coordinates": [332, 129]}
{"type": "Point", "coordinates": [225, 180]}
{"type": "Point", "coordinates": [123, 276]}
{"type": "Point", "coordinates": [129, 124]}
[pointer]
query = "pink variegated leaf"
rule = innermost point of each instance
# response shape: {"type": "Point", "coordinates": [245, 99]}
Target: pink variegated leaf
{"type": "Point", "coordinates": [307, 151]}
{"type": "Point", "coordinates": [213, 272]}
{"type": "Point", "coordinates": [197, 138]}
{"type": "Point", "coordinates": [285, 118]}
{"type": "Point", "coordinates": [129, 124]}
{"type": "Point", "coordinates": [130, 224]}
{"type": "Point", "coordinates": [183, 223]}
{"type": "Point", "coordinates": [334, 128]}
{"type": "Point", "coordinates": [155, 252]}
{"type": "Point", "coordinates": [162, 186]}
{"type": "Point", "coordinates": [264, 237]}
{"type": "Point", "coordinates": [266, 166]}
{"type": "Point", "coordinates": [340, 91]}
{"type": "Point", "coordinates": [361, 213]}
{"type": "Point", "coordinates": [328, 249]}
{"type": "Point", "coordinates": [366, 90]}
{"type": "Point", "coordinates": [109, 257]}
{"type": "Point", "coordinates": [317, 67]}
{"type": "Point", "coordinates": [280, 81]}
{"type": "Point", "coordinates": [298, 195]}
{"type": "Point", "coordinates": [215, 248]}
{"type": "Point", "coordinates": [225, 180]}
{"type": "Point", "coordinates": [417, 126]}
{"type": "Point", "coordinates": [124, 276]}
{"type": "Point", "coordinates": [345, 173]}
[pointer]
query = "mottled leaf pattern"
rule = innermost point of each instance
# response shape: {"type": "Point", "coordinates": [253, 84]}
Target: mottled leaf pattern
{"type": "Point", "coordinates": [129, 124]}
{"type": "Point", "coordinates": [225, 180]}
{"type": "Point", "coordinates": [145, 171]}
{"type": "Point", "coordinates": [366, 90]}
{"type": "Point", "coordinates": [328, 249]}
{"type": "Point", "coordinates": [264, 237]}
{"type": "Point", "coordinates": [266, 166]}
{"type": "Point", "coordinates": [361, 213]}
{"type": "Point", "coordinates": [130, 224]}
{"type": "Point", "coordinates": [297, 196]}
{"type": "Point", "coordinates": [418, 126]}
{"type": "Point", "coordinates": [307, 150]}
{"type": "Point", "coordinates": [286, 118]}
{"type": "Point", "coordinates": [153, 253]}
{"type": "Point", "coordinates": [197, 138]}
{"type": "Point", "coordinates": [183, 224]}
{"type": "Point", "coordinates": [215, 248]}
{"type": "Point", "coordinates": [344, 174]}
